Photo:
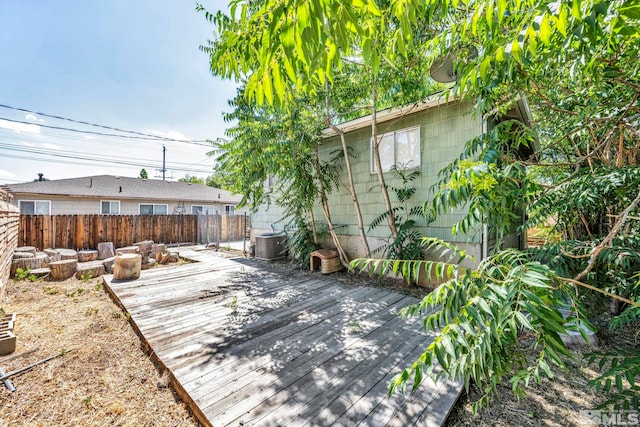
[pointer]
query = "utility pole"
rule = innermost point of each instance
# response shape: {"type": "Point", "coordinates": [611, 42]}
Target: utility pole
{"type": "Point", "coordinates": [164, 155]}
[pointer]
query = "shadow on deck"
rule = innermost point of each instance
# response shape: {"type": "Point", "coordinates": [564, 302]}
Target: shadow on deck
{"type": "Point", "coordinates": [249, 343]}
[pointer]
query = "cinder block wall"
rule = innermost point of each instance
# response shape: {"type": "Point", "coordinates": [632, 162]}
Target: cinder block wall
{"type": "Point", "coordinates": [9, 221]}
{"type": "Point", "coordinates": [444, 131]}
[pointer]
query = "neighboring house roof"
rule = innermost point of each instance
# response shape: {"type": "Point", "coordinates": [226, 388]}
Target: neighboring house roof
{"type": "Point", "coordinates": [115, 187]}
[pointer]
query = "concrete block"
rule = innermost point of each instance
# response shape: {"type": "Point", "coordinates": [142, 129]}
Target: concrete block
{"type": "Point", "coordinates": [7, 342]}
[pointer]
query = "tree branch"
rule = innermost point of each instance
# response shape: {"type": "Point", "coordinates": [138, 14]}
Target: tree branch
{"type": "Point", "coordinates": [617, 226]}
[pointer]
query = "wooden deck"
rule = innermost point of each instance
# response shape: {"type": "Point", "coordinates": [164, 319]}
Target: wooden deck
{"type": "Point", "coordinates": [248, 343]}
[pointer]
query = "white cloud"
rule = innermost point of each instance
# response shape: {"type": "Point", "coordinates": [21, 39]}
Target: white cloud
{"type": "Point", "coordinates": [90, 137]}
{"type": "Point", "coordinates": [19, 127]}
{"type": "Point", "coordinates": [171, 134]}
{"type": "Point", "coordinates": [32, 117]}
{"type": "Point", "coordinates": [177, 135]}
{"type": "Point", "coordinates": [6, 174]}
{"type": "Point", "coordinates": [50, 145]}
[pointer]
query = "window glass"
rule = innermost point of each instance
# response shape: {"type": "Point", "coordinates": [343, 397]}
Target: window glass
{"type": "Point", "coordinates": [115, 208]}
{"type": "Point", "coordinates": [27, 208]}
{"type": "Point", "coordinates": [159, 209]}
{"type": "Point", "coordinates": [35, 207]}
{"type": "Point", "coordinates": [407, 149]}
{"type": "Point", "coordinates": [196, 210]}
{"type": "Point", "coordinates": [229, 210]}
{"type": "Point", "coordinates": [105, 208]}
{"type": "Point", "coordinates": [400, 148]}
{"type": "Point", "coordinates": [146, 209]}
{"type": "Point", "coordinates": [42, 208]}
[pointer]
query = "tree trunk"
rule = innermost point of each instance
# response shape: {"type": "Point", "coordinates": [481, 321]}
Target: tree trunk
{"type": "Point", "coordinates": [391, 218]}
{"type": "Point", "coordinates": [313, 226]}
{"type": "Point", "coordinates": [347, 162]}
{"type": "Point", "coordinates": [327, 214]}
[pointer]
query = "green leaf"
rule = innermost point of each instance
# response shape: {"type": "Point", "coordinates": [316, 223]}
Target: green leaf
{"type": "Point", "coordinates": [545, 30]}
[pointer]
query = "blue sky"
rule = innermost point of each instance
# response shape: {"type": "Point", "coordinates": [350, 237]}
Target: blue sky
{"type": "Point", "coordinates": [130, 64]}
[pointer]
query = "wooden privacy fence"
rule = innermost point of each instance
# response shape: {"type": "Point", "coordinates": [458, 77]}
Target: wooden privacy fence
{"type": "Point", "coordinates": [86, 231]}
{"type": "Point", "coordinates": [223, 228]}
{"type": "Point", "coordinates": [8, 237]}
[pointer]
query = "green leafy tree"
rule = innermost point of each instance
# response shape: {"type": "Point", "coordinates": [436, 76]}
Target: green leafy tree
{"type": "Point", "coordinates": [191, 179]}
{"type": "Point", "coordinates": [577, 64]}
{"type": "Point", "coordinates": [143, 174]}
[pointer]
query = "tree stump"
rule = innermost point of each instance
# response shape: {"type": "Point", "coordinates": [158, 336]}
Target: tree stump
{"type": "Point", "coordinates": [67, 254]}
{"type": "Point", "coordinates": [41, 272]}
{"type": "Point", "coordinates": [158, 248]}
{"type": "Point", "coordinates": [18, 255]}
{"type": "Point", "coordinates": [87, 255]}
{"type": "Point", "coordinates": [62, 270]}
{"type": "Point", "coordinates": [89, 270]}
{"type": "Point", "coordinates": [39, 261]}
{"type": "Point", "coordinates": [127, 267]}
{"type": "Point", "coordinates": [127, 250]}
{"type": "Point", "coordinates": [108, 264]}
{"type": "Point", "coordinates": [53, 254]}
{"type": "Point", "coordinates": [31, 249]}
{"type": "Point", "coordinates": [149, 264]}
{"type": "Point", "coordinates": [145, 247]}
{"type": "Point", "coordinates": [105, 250]}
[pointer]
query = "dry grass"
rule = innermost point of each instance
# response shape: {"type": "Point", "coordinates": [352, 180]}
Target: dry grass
{"type": "Point", "coordinates": [106, 379]}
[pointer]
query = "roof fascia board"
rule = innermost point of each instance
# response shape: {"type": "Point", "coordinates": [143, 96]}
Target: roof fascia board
{"type": "Point", "coordinates": [389, 114]}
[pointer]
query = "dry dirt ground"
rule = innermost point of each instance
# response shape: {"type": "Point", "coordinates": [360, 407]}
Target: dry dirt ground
{"type": "Point", "coordinates": [104, 380]}
{"type": "Point", "coordinates": [107, 379]}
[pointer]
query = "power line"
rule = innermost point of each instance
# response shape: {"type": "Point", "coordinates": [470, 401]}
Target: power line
{"type": "Point", "coordinates": [102, 163]}
{"type": "Point", "coordinates": [67, 153]}
{"type": "Point", "coordinates": [150, 137]}
{"type": "Point", "coordinates": [98, 125]}
{"type": "Point", "coordinates": [179, 166]}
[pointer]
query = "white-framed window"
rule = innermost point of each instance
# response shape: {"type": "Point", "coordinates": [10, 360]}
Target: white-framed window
{"type": "Point", "coordinates": [229, 209]}
{"type": "Point", "coordinates": [400, 149]}
{"type": "Point", "coordinates": [202, 210]}
{"type": "Point", "coordinates": [151, 209]}
{"type": "Point", "coordinates": [110, 207]}
{"type": "Point", "coordinates": [35, 207]}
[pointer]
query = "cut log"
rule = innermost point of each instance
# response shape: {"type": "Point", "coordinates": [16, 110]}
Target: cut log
{"type": "Point", "coordinates": [151, 263]}
{"type": "Point", "coordinates": [127, 250]}
{"type": "Point", "coordinates": [89, 270]}
{"type": "Point", "coordinates": [105, 250]}
{"type": "Point", "coordinates": [108, 264]}
{"type": "Point", "coordinates": [145, 247]}
{"type": "Point", "coordinates": [158, 248]}
{"type": "Point", "coordinates": [53, 254]}
{"type": "Point", "coordinates": [67, 254]}
{"type": "Point", "coordinates": [31, 249]}
{"type": "Point", "coordinates": [87, 255]}
{"type": "Point", "coordinates": [17, 255]}
{"type": "Point", "coordinates": [62, 270]}
{"type": "Point", "coordinates": [127, 267]}
{"type": "Point", "coordinates": [41, 272]}
{"type": "Point", "coordinates": [169, 257]}
{"type": "Point", "coordinates": [39, 261]}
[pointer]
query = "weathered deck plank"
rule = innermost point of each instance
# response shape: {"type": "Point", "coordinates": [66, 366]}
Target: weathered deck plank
{"type": "Point", "coordinates": [250, 345]}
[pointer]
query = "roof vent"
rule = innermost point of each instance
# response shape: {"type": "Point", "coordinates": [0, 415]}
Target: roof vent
{"type": "Point", "coordinates": [120, 189]}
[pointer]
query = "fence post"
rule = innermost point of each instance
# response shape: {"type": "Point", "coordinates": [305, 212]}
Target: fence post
{"type": "Point", "coordinates": [244, 236]}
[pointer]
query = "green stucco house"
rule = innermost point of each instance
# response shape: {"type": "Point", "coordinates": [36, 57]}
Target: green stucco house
{"type": "Point", "coordinates": [425, 136]}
